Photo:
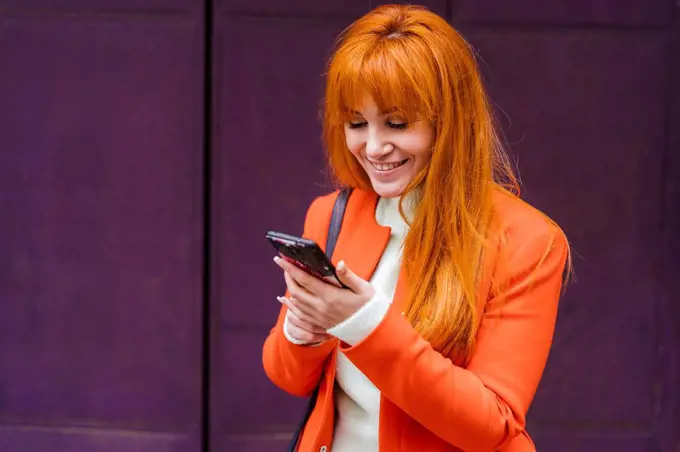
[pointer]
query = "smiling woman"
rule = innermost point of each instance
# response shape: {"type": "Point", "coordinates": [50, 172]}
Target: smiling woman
{"type": "Point", "coordinates": [441, 336]}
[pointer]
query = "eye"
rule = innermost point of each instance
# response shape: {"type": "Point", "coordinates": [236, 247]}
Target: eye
{"type": "Point", "coordinates": [397, 125]}
{"type": "Point", "coordinates": [356, 124]}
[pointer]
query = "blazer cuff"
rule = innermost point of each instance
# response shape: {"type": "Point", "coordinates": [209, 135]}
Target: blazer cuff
{"type": "Point", "coordinates": [360, 324]}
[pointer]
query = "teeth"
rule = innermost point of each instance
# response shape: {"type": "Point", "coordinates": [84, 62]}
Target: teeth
{"type": "Point", "coordinates": [386, 166]}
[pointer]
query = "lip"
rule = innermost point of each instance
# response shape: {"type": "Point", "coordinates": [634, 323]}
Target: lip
{"type": "Point", "coordinates": [382, 174]}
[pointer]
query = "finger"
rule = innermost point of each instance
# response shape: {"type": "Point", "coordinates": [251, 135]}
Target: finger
{"type": "Point", "coordinates": [349, 278]}
{"type": "Point", "coordinates": [302, 312]}
{"type": "Point", "coordinates": [294, 288]}
{"type": "Point", "coordinates": [305, 325]}
{"type": "Point", "coordinates": [308, 301]}
{"type": "Point", "coordinates": [304, 279]}
{"type": "Point", "coordinates": [302, 335]}
{"type": "Point", "coordinates": [296, 309]}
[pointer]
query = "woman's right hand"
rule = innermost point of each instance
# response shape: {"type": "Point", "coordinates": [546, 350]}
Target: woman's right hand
{"type": "Point", "coordinates": [302, 331]}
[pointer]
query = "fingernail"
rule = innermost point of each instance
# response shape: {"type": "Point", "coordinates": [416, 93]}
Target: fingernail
{"type": "Point", "coordinates": [281, 300]}
{"type": "Point", "coordinates": [341, 266]}
{"type": "Point", "coordinates": [277, 259]}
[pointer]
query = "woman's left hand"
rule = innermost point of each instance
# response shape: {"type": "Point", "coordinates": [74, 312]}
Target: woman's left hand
{"type": "Point", "coordinates": [322, 304]}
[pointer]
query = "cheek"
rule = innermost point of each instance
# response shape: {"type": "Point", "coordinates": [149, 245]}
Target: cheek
{"type": "Point", "coordinates": [422, 139]}
{"type": "Point", "coordinates": [417, 146]}
{"type": "Point", "coordinates": [354, 142]}
{"type": "Point", "coordinates": [417, 140]}
{"type": "Point", "coordinates": [422, 161]}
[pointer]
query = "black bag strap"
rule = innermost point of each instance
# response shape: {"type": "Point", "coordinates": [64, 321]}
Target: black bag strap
{"type": "Point", "coordinates": [333, 231]}
{"type": "Point", "coordinates": [336, 220]}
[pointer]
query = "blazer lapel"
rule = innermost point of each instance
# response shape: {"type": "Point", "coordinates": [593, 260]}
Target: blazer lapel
{"type": "Point", "coordinates": [362, 240]}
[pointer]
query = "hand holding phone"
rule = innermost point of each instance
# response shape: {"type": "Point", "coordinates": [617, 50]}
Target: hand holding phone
{"type": "Point", "coordinates": [305, 254]}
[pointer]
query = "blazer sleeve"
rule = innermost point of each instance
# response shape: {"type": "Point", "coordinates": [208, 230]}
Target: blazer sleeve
{"type": "Point", "coordinates": [297, 368]}
{"type": "Point", "coordinates": [481, 407]}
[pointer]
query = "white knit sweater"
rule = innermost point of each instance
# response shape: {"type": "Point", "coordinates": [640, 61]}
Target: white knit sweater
{"type": "Point", "coordinates": [357, 399]}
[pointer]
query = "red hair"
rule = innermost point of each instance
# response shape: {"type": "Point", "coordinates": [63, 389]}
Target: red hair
{"type": "Point", "coordinates": [408, 58]}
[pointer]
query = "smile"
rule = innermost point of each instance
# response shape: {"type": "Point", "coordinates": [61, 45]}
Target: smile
{"type": "Point", "coordinates": [387, 166]}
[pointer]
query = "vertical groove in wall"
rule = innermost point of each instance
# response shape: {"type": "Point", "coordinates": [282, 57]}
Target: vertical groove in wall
{"type": "Point", "coordinates": [208, 9]}
{"type": "Point", "coordinates": [672, 247]}
{"type": "Point", "coordinates": [667, 406]}
{"type": "Point", "coordinates": [449, 12]}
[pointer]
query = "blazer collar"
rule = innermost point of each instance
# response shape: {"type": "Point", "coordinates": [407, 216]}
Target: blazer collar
{"type": "Point", "coordinates": [362, 241]}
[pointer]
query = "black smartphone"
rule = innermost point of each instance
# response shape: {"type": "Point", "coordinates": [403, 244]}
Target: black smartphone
{"type": "Point", "coordinates": [305, 254]}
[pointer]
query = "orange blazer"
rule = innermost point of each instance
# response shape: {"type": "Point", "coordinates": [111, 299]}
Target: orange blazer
{"type": "Point", "coordinates": [428, 402]}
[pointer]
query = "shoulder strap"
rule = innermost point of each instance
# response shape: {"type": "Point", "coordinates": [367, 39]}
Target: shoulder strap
{"type": "Point", "coordinates": [336, 219]}
{"type": "Point", "coordinates": [337, 215]}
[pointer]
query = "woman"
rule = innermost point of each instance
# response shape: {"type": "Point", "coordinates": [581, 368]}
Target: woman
{"type": "Point", "coordinates": [442, 337]}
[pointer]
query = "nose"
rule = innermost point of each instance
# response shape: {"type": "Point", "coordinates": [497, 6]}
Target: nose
{"type": "Point", "coordinates": [375, 145]}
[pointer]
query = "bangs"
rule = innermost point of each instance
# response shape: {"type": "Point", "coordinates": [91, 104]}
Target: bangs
{"type": "Point", "coordinates": [387, 73]}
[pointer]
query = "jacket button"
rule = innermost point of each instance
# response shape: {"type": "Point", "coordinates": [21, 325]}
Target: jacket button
{"type": "Point", "coordinates": [323, 449]}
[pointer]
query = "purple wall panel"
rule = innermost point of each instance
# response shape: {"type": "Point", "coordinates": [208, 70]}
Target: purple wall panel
{"type": "Point", "coordinates": [79, 6]}
{"type": "Point", "coordinates": [247, 402]}
{"type": "Point", "coordinates": [575, 441]}
{"type": "Point", "coordinates": [100, 186]}
{"type": "Point", "coordinates": [90, 439]}
{"type": "Point", "coordinates": [589, 144]}
{"type": "Point", "coordinates": [268, 167]}
{"type": "Point", "coordinates": [556, 12]}
{"type": "Point", "coordinates": [246, 443]}
{"type": "Point", "coordinates": [312, 7]}
{"type": "Point", "coordinates": [268, 156]}
{"type": "Point", "coordinates": [554, 443]}
{"type": "Point", "coordinates": [622, 443]}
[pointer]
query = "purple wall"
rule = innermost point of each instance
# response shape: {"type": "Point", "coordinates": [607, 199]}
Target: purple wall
{"type": "Point", "coordinates": [102, 194]}
{"type": "Point", "coordinates": [101, 197]}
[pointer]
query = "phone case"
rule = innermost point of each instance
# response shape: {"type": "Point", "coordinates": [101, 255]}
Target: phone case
{"type": "Point", "coordinates": [305, 254]}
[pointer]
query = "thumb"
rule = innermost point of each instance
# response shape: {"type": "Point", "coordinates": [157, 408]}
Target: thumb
{"type": "Point", "coordinates": [348, 278]}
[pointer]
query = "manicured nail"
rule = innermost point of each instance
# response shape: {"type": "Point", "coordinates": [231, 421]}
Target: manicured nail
{"type": "Point", "coordinates": [341, 266]}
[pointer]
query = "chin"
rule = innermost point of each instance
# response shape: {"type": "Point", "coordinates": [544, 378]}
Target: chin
{"type": "Point", "coordinates": [388, 191]}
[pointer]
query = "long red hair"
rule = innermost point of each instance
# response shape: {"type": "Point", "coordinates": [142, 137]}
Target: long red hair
{"type": "Point", "coordinates": [410, 59]}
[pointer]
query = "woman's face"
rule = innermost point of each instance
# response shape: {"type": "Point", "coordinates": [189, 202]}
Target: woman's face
{"type": "Point", "coordinates": [391, 151]}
